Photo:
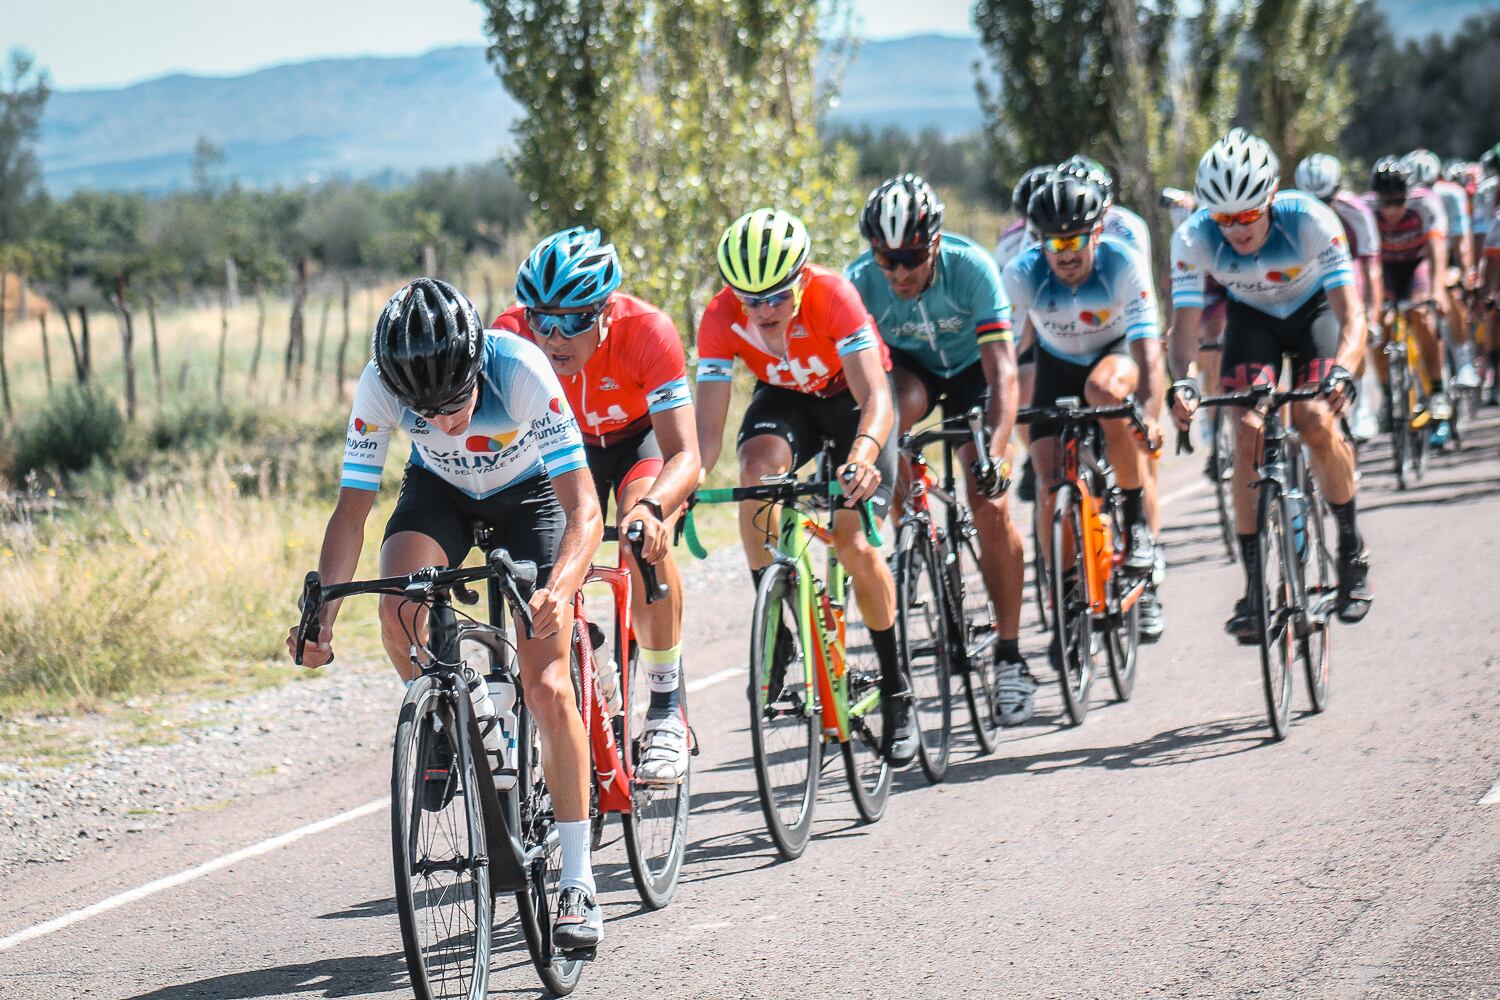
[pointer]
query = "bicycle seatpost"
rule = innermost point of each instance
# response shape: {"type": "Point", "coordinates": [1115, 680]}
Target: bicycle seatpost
{"type": "Point", "coordinates": [655, 589]}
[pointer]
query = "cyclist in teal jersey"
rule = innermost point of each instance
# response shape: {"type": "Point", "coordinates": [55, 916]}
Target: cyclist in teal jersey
{"type": "Point", "coordinates": [937, 301]}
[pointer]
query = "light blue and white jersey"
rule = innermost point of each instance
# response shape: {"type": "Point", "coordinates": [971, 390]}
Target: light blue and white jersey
{"type": "Point", "coordinates": [522, 426]}
{"type": "Point", "coordinates": [1455, 202]}
{"type": "Point", "coordinates": [1484, 205]}
{"type": "Point", "coordinates": [1079, 323]}
{"type": "Point", "coordinates": [1305, 253]}
{"type": "Point", "coordinates": [1123, 224]}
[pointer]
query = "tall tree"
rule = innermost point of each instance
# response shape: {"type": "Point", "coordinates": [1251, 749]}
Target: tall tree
{"type": "Point", "coordinates": [24, 90]}
{"type": "Point", "coordinates": [1301, 90]}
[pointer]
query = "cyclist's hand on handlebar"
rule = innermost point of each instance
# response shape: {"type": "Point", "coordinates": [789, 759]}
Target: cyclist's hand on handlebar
{"type": "Point", "coordinates": [314, 655]}
{"type": "Point", "coordinates": [547, 610]}
{"type": "Point", "coordinates": [860, 480]}
{"type": "Point", "coordinates": [654, 538]}
{"type": "Point", "coordinates": [1184, 404]}
{"type": "Point", "coordinates": [1340, 388]}
{"type": "Point", "coordinates": [1154, 439]}
{"type": "Point", "coordinates": [991, 478]}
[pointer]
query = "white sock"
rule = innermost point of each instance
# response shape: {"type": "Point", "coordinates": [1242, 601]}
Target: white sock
{"type": "Point", "coordinates": [577, 867]}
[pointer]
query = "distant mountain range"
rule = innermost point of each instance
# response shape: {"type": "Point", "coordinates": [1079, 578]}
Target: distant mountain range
{"type": "Point", "coordinates": [373, 117]}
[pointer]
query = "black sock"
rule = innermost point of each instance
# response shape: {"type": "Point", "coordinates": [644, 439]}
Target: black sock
{"type": "Point", "coordinates": [891, 681]}
{"type": "Point", "coordinates": [1249, 555]}
{"type": "Point", "coordinates": [1135, 505]}
{"type": "Point", "coordinates": [1008, 651]}
{"type": "Point", "coordinates": [1350, 541]}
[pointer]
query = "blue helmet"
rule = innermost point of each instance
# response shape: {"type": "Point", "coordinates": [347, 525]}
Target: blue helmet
{"type": "Point", "coordinates": [568, 269]}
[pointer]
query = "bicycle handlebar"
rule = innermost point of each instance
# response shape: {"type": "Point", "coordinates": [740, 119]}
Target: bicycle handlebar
{"type": "Point", "coordinates": [786, 489]}
{"type": "Point", "coordinates": [1256, 395]}
{"type": "Point", "coordinates": [1069, 410]}
{"type": "Point", "coordinates": [655, 589]}
{"type": "Point", "coordinates": [420, 588]}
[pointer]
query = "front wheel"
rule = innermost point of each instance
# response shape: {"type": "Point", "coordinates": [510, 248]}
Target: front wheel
{"type": "Point", "coordinates": [1321, 582]}
{"type": "Point", "coordinates": [656, 826]}
{"type": "Point", "coordinates": [976, 629]}
{"type": "Point", "coordinates": [1123, 638]}
{"type": "Point", "coordinates": [1073, 632]}
{"type": "Point", "coordinates": [1221, 464]}
{"type": "Point", "coordinates": [1271, 592]}
{"type": "Point", "coordinates": [784, 719]}
{"type": "Point", "coordinates": [864, 751]}
{"type": "Point", "coordinates": [922, 624]}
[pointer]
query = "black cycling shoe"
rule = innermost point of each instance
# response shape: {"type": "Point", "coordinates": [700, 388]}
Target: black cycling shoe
{"type": "Point", "coordinates": [904, 738]}
{"type": "Point", "coordinates": [1244, 624]}
{"type": "Point", "coordinates": [1026, 488]}
{"type": "Point", "coordinates": [782, 660]}
{"type": "Point", "coordinates": [438, 780]}
{"type": "Point", "coordinates": [1354, 586]}
{"type": "Point", "coordinates": [579, 926]}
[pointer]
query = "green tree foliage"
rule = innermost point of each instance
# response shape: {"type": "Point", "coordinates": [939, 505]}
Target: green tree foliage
{"type": "Point", "coordinates": [950, 163]}
{"type": "Point", "coordinates": [661, 143]}
{"type": "Point", "coordinates": [23, 96]}
{"type": "Point", "coordinates": [1301, 92]}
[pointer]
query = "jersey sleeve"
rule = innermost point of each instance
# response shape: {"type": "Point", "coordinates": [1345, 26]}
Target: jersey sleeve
{"type": "Point", "coordinates": [987, 299]}
{"type": "Point", "coordinates": [1017, 290]}
{"type": "Point", "coordinates": [1189, 266]}
{"type": "Point", "coordinates": [535, 398]}
{"type": "Point", "coordinates": [368, 437]}
{"type": "Point", "coordinates": [1434, 219]}
{"type": "Point", "coordinates": [1324, 243]}
{"type": "Point", "coordinates": [1359, 223]}
{"type": "Point", "coordinates": [663, 366]}
{"type": "Point", "coordinates": [1138, 294]}
{"type": "Point", "coordinates": [716, 347]}
{"type": "Point", "coordinates": [845, 318]}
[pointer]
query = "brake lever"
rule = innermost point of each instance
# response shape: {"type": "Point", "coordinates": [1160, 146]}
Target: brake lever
{"type": "Point", "coordinates": [655, 589]}
{"type": "Point", "coordinates": [311, 603]}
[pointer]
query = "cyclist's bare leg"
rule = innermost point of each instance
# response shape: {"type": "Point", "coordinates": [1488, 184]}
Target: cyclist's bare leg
{"type": "Point", "coordinates": [1332, 454]}
{"type": "Point", "coordinates": [874, 587]}
{"type": "Point", "coordinates": [1247, 433]}
{"type": "Point", "coordinates": [911, 405]}
{"type": "Point", "coordinates": [1046, 461]}
{"type": "Point", "coordinates": [761, 456]}
{"type": "Point", "coordinates": [403, 624]}
{"type": "Point", "coordinates": [1112, 380]}
{"type": "Point", "coordinates": [659, 625]}
{"type": "Point", "coordinates": [1002, 560]}
{"type": "Point", "coordinates": [1421, 326]}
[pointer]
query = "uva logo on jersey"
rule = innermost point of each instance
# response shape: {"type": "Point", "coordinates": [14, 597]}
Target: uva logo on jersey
{"type": "Point", "coordinates": [1094, 319]}
{"type": "Point", "coordinates": [363, 428]}
{"type": "Point", "coordinates": [490, 443]}
{"type": "Point", "coordinates": [555, 405]}
{"type": "Point", "coordinates": [1283, 277]}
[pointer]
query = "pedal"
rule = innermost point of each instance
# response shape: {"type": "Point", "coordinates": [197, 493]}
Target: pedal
{"type": "Point", "coordinates": [574, 955]}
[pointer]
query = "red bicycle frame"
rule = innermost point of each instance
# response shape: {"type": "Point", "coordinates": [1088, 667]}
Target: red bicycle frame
{"type": "Point", "coordinates": [613, 769]}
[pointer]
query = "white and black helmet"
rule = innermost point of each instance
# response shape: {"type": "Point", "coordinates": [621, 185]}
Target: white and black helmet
{"type": "Point", "coordinates": [902, 213]}
{"type": "Point", "coordinates": [1424, 165]}
{"type": "Point", "coordinates": [1319, 175]}
{"type": "Point", "coordinates": [1238, 173]}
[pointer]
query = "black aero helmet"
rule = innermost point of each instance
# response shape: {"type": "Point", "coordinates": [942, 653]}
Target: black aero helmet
{"type": "Point", "coordinates": [902, 213]}
{"type": "Point", "coordinates": [1065, 203]}
{"type": "Point", "coordinates": [1390, 177]}
{"type": "Point", "coordinates": [428, 345]}
{"type": "Point", "coordinates": [1020, 197]}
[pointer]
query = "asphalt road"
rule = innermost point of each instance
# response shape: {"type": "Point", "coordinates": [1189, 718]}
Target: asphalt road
{"type": "Point", "coordinates": [1163, 849]}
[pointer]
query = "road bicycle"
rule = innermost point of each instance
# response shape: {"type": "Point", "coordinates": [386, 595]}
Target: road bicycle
{"type": "Point", "coordinates": [1095, 603]}
{"type": "Point", "coordinates": [1406, 393]}
{"type": "Point", "coordinates": [1293, 587]}
{"type": "Point", "coordinates": [1220, 468]}
{"type": "Point", "coordinates": [814, 678]}
{"type": "Point", "coordinates": [945, 618]}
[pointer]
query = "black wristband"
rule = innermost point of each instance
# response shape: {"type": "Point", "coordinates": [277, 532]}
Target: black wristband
{"type": "Point", "coordinates": [653, 507]}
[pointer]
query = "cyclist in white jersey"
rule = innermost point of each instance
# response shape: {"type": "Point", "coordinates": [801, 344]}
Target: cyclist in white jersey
{"type": "Point", "coordinates": [1284, 262]}
{"type": "Point", "coordinates": [1090, 302]}
{"type": "Point", "coordinates": [1458, 277]}
{"type": "Point", "coordinates": [493, 440]}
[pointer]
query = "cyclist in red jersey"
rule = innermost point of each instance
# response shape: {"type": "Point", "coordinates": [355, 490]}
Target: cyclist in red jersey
{"type": "Point", "coordinates": [622, 367]}
{"type": "Point", "coordinates": [822, 373]}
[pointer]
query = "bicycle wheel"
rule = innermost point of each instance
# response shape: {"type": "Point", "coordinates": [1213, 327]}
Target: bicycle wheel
{"type": "Point", "coordinates": [976, 627]}
{"type": "Point", "coordinates": [1397, 399]}
{"type": "Point", "coordinates": [864, 758]}
{"type": "Point", "coordinates": [1072, 635]}
{"type": "Point", "coordinates": [922, 628]}
{"type": "Point", "coordinates": [785, 735]}
{"type": "Point", "coordinates": [1039, 579]}
{"type": "Point", "coordinates": [1221, 463]}
{"type": "Point", "coordinates": [656, 826]}
{"type": "Point", "coordinates": [537, 903]}
{"type": "Point", "coordinates": [1320, 579]}
{"type": "Point", "coordinates": [1123, 638]}
{"type": "Point", "coordinates": [438, 846]}
{"type": "Point", "coordinates": [1272, 595]}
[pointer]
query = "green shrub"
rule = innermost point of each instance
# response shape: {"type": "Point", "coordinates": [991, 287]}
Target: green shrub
{"type": "Point", "coordinates": [78, 426]}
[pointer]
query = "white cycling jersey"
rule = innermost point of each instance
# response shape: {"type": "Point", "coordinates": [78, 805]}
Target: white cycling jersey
{"type": "Point", "coordinates": [1455, 201]}
{"type": "Point", "coordinates": [1305, 252]}
{"type": "Point", "coordinates": [522, 426]}
{"type": "Point", "coordinates": [1484, 204]}
{"type": "Point", "coordinates": [1079, 323]}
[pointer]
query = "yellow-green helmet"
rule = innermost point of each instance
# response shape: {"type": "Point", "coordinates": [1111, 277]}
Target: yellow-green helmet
{"type": "Point", "coordinates": [763, 251]}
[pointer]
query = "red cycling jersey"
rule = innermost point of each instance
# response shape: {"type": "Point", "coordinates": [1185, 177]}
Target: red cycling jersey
{"type": "Point", "coordinates": [830, 324]}
{"type": "Point", "coordinates": [639, 369]}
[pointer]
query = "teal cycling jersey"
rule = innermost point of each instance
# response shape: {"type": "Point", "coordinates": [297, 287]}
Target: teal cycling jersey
{"type": "Point", "coordinates": [943, 327]}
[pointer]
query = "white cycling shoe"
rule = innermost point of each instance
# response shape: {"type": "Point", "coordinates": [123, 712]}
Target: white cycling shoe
{"type": "Point", "coordinates": [1015, 700]}
{"type": "Point", "coordinates": [664, 751]}
{"type": "Point", "coordinates": [1467, 377]}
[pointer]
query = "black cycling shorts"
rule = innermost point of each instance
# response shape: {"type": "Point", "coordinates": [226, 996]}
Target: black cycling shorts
{"type": "Point", "coordinates": [614, 465]}
{"type": "Point", "coordinates": [1058, 379]}
{"type": "Point", "coordinates": [527, 517]}
{"type": "Point", "coordinates": [805, 422]}
{"type": "Point", "coordinates": [1254, 344]}
{"type": "Point", "coordinates": [958, 393]}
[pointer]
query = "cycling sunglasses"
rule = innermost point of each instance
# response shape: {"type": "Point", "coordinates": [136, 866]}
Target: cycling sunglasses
{"type": "Point", "coordinates": [568, 325]}
{"type": "Point", "coordinates": [1248, 217]}
{"type": "Point", "coordinates": [889, 260]}
{"type": "Point", "coordinates": [449, 408]}
{"type": "Point", "coordinates": [770, 301]}
{"type": "Point", "coordinates": [1392, 202]}
{"type": "Point", "coordinates": [1066, 244]}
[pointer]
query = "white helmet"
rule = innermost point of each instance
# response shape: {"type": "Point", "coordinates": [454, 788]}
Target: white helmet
{"type": "Point", "coordinates": [1238, 173]}
{"type": "Point", "coordinates": [1423, 165]}
{"type": "Point", "coordinates": [1319, 175]}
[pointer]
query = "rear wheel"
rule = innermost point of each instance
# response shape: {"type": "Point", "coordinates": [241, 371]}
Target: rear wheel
{"type": "Point", "coordinates": [975, 628]}
{"type": "Point", "coordinates": [1221, 464]}
{"type": "Point", "coordinates": [1397, 400]}
{"type": "Point", "coordinates": [438, 845]}
{"type": "Point", "coordinates": [1320, 578]}
{"type": "Point", "coordinates": [1122, 641]}
{"type": "Point", "coordinates": [922, 624]}
{"type": "Point", "coordinates": [1039, 578]}
{"type": "Point", "coordinates": [1072, 634]}
{"type": "Point", "coordinates": [1272, 594]}
{"type": "Point", "coordinates": [784, 721]}
{"type": "Point", "coordinates": [656, 826]}
{"type": "Point", "coordinates": [864, 760]}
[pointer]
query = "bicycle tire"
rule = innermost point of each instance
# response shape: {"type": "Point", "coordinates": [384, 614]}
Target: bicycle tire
{"type": "Point", "coordinates": [922, 630]}
{"type": "Point", "coordinates": [656, 826]}
{"type": "Point", "coordinates": [1320, 577]}
{"type": "Point", "coordinates": [537, 903]}
{"type": "Point", "coordinates": [1397, 401]}
{"type": "Point", "coordinates": [797, 701]}
{"type": "Point", "coordinates": [982, 678]}
{"type": "Point", "coordinates": [1072, 634]}
{"type": "Point", "coordinates": [1039, 578]}
{"type": "Point", "coordinates": [426, 700]}
{"type": "Point", "coordinates": [865, 763]}
{"type": "Point", "coordinates": [1273, 607]}
{"type": "Point", "coordinates": [1122, 640]}
{"type": "Point", "coordinates": [1221, 456]}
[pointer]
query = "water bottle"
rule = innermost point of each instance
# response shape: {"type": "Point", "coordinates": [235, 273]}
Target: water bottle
{"type": "Point", "coordinates": [1298, 507]}
{"type": "Point", "coordinates": [502, 691]}
{"type": "Point", "coordinates": [608, 671]}
{"type": "Point", "coordinates": [485, 718]}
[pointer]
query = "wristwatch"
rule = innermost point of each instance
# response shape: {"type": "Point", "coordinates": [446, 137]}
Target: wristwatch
{"type": "Point", "coordinates": [652, 506]}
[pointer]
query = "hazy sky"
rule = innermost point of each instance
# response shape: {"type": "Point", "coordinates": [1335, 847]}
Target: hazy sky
{"type": "Point", "coordinates": [107, 43]}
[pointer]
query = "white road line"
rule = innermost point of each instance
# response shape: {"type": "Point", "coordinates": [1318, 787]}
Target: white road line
{"type": "Point", "coordinates": [712, 679]}
{"type": "Point", "coordinates": [172, 881]}
{"type": "Point", "coordinates": [1492, 797]}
